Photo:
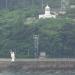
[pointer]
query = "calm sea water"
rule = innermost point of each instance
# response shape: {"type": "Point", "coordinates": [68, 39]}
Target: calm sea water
{"type": "Point", "coordinates": [39, 73]}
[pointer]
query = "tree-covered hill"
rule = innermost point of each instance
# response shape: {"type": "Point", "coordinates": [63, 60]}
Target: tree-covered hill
{"type": "Point", "coordinates": [17, 27]}
{"type": "Point", "coordinates": [19, 22]}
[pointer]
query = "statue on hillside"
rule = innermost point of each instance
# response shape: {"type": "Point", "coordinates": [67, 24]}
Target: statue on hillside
{"type": "Point", "coordinates": [12, 53]}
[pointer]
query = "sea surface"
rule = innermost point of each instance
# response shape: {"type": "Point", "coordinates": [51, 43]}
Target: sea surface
{"type": "Point", "coordinates": [39, 73]}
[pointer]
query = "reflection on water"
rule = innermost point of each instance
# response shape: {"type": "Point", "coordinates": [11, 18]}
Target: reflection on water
{"type": "Point", "coordinates": [39, 73]}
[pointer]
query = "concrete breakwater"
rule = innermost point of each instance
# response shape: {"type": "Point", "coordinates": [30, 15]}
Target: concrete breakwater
{"type": "Point", "coordinates": [37, 64]}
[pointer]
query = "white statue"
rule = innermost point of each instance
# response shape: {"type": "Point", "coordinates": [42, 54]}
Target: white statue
{"type": "Point", "coordinates": [12, 56]}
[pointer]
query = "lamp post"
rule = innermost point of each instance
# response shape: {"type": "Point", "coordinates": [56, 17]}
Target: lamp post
{"type": "Point", "coordinates": [28, 53]}
{"type": "Point", "coordinates": [36, 39]}
{"type": "Point", "coordinates": [1, 4]}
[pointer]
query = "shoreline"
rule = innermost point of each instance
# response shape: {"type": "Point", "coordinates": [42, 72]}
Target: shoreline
{"type": "Point", "coordinates": [37, 64]}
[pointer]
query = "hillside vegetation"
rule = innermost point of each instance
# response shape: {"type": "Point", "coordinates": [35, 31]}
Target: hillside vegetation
{"type": "Point", "coordinates": [19, 22]}
{"type": "Point", "coordinates": [17, 27]}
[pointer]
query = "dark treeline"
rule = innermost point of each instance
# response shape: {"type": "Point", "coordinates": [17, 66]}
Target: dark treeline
{"type": "Point", "coordinates": [18, 3]}
{"type": "Point", "coordinates": [12, 4]}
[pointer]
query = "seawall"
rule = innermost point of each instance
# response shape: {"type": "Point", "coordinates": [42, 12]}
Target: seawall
{"type": "Point", "coordinates": [37, 64]}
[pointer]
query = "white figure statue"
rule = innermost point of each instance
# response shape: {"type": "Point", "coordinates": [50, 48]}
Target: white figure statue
{"type": "Point", "coordinates": [12, 56]}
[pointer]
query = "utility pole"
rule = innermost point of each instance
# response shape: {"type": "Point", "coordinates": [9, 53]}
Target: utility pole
{"type": "Point", "coordinates": [36, 43]}
{"type": "Point", "coordinates": [32, 3]}
{"type": "Point", "coordinates": [64, 4]}
{"type": "Point", "coordinates": [63, 7]}
{"type": "Point", "coordinates": [42, 4]}
{"type": "Point", "coordinates": [6, 4]}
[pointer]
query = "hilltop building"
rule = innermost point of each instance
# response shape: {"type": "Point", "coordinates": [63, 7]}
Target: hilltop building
{"type": "Point", "coordinates": [47, 13]}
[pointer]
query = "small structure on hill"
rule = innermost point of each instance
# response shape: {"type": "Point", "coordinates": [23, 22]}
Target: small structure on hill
{"type": "Point", "coordinates": [72, 6]}
{"type": "Point", "coordinates": [12, 53]}
{"type": "Point", "coordinates": [42, 55]}
{"type": "Point", "coordinates": [47, 13]}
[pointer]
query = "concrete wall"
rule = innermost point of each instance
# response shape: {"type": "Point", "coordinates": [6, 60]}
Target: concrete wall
{"type": "Point", "coordinates": [37, 65]}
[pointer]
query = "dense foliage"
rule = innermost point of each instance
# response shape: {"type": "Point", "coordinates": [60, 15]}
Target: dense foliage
{"type": "Point", "coordinates": [17, 27]}
{"type": "Point", "coordinates": [19, 22]}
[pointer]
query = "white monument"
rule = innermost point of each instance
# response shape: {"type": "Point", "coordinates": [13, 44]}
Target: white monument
{"type": "Point", "coordinates": [12, 56]}
{"type": "Point", "coordinates": [47, 13]}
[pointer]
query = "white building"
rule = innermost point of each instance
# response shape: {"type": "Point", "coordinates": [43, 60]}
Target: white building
{"type": "Point", "coordinates": [42, 55]}
{"type": "Point", "coordinates": [47, 13]}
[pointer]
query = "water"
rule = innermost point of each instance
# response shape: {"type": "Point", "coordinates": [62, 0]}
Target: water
{"type": "Point", "coordinates": [39, 73]}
